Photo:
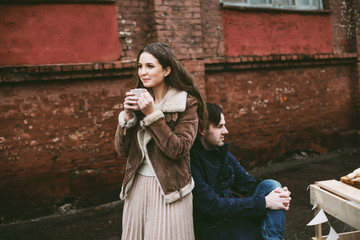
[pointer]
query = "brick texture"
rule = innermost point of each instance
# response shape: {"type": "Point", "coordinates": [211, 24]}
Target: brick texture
{"type": "Point", "coordinates": [178, 23]}
{"type": "Point", "coordinates": [283, 110]}
{"type": "Point", "coordinates": [53, 33]}
{"type": "Point", "coordinates": [344, 36]}
{"type": "Point", "coordinates": [213, 41]}
{"type": "Point", "coordinates": [136, 26]}
{"type": "Point", "coordinates": [57, 141]}
{"type": "Point", "coordinates": [265, 33]}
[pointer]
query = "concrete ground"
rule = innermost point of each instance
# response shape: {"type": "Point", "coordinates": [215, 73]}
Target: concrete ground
{"type": "Point", "coordinates": [104, 222]}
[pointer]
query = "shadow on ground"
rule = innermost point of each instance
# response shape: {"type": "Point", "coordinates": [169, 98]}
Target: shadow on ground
{"type": "Point", "coordinates": [104, 222]}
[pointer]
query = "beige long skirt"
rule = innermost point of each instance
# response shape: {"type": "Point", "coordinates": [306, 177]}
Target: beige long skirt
{"type": "Point", "coordinates": [147, 216]}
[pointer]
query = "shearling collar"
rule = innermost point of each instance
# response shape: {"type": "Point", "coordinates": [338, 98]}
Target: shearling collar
{"type": "Point", "coordinates": [174, 101]}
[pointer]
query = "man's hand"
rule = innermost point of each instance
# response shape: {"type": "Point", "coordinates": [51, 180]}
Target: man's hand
{"type": "Point", "coordinates": [279, 198]}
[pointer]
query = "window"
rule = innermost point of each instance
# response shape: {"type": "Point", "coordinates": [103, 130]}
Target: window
{"type": "Point", "coordinates": [285, 4]}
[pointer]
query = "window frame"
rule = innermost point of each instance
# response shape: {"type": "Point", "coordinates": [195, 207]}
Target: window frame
{"type": "Point", "coordinates": [315, 5]}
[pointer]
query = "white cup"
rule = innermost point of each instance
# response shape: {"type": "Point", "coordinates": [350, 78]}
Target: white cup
{"type": "Point", "coordinates": [138, 91]}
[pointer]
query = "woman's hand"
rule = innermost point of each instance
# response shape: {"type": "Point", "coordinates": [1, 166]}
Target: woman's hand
{"type": "Point", "coordinates": [130, 104]}
{"type": "Point", "coordinates": [146, 103]}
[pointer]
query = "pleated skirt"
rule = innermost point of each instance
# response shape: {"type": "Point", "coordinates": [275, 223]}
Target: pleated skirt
{"type": "Point", "coordinates": [147, 216]}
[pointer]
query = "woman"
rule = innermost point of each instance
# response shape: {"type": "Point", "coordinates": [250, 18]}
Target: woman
{"type": "Point", "coordinates": [156, 132]}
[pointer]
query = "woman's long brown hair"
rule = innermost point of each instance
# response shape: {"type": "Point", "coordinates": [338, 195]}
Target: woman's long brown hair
{"type": "Point", "coordinates": [179, 77]}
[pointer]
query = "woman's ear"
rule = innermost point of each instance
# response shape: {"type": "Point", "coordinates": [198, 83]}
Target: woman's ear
{"type": "Point", "coordinates": [167, 71]}
{"type": "Point", "coordinates": [202, 132]}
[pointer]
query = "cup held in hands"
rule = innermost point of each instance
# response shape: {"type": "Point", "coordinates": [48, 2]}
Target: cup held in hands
{"type": "Point", "coordinates": [138, 92]}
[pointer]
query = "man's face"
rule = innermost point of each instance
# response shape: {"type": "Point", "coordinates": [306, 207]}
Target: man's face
{"type": "Point", "coordinates": [215, 135]}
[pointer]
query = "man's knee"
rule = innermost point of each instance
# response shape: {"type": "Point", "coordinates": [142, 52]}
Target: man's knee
{"type": "Point", "coordinates": [270, 184]}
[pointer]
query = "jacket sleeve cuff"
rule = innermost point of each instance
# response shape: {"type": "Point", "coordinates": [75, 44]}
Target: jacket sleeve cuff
{"type": "Point", "coordinates": [151, 118]}
{"type": "Point", "coordinates": [125, 124]}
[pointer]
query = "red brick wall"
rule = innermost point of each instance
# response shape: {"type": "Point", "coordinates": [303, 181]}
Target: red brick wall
{"type": "Point", "coordinates": [271, 111]}
{"type": "Point", "coordinates": [175, 23]}
{"type": "Point", "coordinates": [58, 33]}
{"type": "Point", "coordinates": [354, 9]}
{"type": "Point", "coordinates": [57, 140]}
{"type": "Point", "coordinates": [212, 41]}
{"type": "Point", "coordinates": [178, 23]}
{"type": "Point", "coordinates": [343, 26]}
{"type": "Point", "coordinates": [135, 25]}
{"type": "Point", "coordinates": [263, 33]}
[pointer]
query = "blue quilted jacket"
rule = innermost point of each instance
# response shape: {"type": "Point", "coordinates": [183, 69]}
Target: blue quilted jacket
{"type": "Point", "coordinates": [219, 182]}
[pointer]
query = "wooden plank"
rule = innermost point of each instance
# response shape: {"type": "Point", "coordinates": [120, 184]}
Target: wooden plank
{"type": "Point", "coordinates": [336, 206]}
{"type": "Point", "coordinates": [343, 190]}
{"type": "Point", "coordinates": [344, 236]}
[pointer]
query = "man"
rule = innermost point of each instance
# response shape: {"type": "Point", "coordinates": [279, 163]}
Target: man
{"type": "Point", "coordinates": [228, 202]}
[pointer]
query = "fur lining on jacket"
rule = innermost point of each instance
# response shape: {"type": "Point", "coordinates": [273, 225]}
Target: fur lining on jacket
{"type": "Point", "coordinates": [174, 101]}
{"type": "Point", "coordinates": [127, 124]}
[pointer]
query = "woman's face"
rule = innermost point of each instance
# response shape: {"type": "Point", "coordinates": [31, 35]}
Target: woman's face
{"type": "Point", "coordinates": [150, 71]}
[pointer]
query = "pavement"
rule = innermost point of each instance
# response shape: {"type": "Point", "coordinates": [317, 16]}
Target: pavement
{"type": "Point", "coordinates": [297, 173]}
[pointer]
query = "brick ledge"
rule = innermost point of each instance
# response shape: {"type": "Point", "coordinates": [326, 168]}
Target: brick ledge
{"type": "Point", "coordinates": [119, 69]}
{"type": "Point", "coordinates": [285, 60]}
{"type": "Point", "coordinates": [22, 73]}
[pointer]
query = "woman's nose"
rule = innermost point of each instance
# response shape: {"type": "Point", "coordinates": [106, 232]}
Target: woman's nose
{"type": "Point", "coordinates": [142, 71]}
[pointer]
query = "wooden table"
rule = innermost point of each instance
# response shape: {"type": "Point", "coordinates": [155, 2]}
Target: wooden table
{"type": "Point", "coordinates": [339, 200]}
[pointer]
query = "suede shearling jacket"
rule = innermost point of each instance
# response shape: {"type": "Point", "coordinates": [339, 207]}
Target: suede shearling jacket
{"type": "Point", "coordinates": [170, 132]}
